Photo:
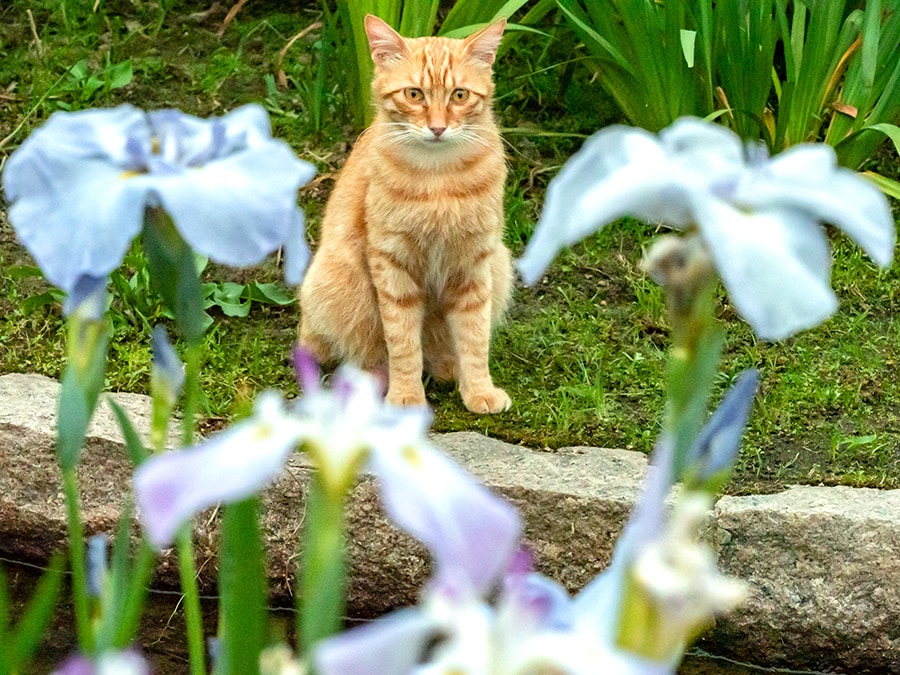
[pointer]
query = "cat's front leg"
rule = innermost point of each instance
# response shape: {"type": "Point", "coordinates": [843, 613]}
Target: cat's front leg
{"type": "Point", "coordinates": [468, 310]}
{"type": "Point", "coordinates": [401, 302]}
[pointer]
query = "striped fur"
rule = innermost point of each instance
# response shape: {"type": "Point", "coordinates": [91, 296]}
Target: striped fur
{"type": "Point", "coordinates": [411, 272]}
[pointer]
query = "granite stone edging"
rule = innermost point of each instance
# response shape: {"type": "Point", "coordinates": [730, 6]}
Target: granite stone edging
{"type": "Point", "coordinates": [822, 563]}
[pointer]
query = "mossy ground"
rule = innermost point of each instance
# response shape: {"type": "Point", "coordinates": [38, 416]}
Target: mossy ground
{"type": "Point", "coordinates": [582, 353]}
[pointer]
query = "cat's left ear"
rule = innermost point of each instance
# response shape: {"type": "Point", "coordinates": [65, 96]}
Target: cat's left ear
{"type": "Point", "coordinates": [482, 46]}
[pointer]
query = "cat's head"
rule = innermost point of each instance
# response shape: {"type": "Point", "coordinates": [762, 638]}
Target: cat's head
{"type": "Point", "coordinates": [434, 92]}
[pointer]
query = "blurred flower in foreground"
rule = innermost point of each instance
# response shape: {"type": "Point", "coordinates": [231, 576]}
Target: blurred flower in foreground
{"type": "Point", "coordinates": [126, 662]}
{"type": "Point", "coordinates": [759, 217]}
{"type": "Point", "coordinates": [79, 185]}
{"type": "Point", "coordinates": [636, 618]}
{"type": "Point", "coordinates": [342, 429]}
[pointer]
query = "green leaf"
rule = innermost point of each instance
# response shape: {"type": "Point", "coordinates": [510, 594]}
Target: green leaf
{"type": "Point", "coordinates": [228, 297]}
{"type": "Point", "coordinates": [887, 185]}
{"type": "Point", "coordinates": [590, 35]}
{"type": "Point", "coordinates": [688, 39]}
{"type": "Point", "coordinates": [90, 87]}
{"type": "Point", "coordinates": [242, 589]}
{"type": "Point", "coordinates": [5, 653]}
{"type": "Point", "coordinates": [173, 273]}
{"type": "Point", "coordinates": [269, 293]}
{"type": "Point", "coordinates": [80, 386]}
{"type": "Point", "coordinates": [323, 569]}
{"type": "Point", "coordinates": [79, 71]}
{"type": "Point", "coordinates": [857, 147]}
{"type": "Point", "coordinates": [137, 453]}
{"type": "Point", "coordinates": [120, 75]}
{"type": "Point", "coordinates": [28, 635]}
{"type": "Point", "coordinates": [36, 302]}
{"type": "Point", "coordinates": [24, 272]}
{"type": "Point", "coordinates": [125, 590]}
{"type": "Point", "coordinates": [473, 14]}
{"type": "Point", "coordinates": [892, 131]}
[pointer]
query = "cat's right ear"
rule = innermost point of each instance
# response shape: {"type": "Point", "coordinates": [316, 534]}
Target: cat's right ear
{"type": "Point", "coordinates": [385, 43]}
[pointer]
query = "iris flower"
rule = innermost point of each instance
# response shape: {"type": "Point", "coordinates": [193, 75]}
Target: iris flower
{"type": "Point", "coordinates": [343, 429]}
{"type": "Point", "coordinates": [759, 217]}
{"type": "Point", "coordinates": [536, 627]}
{"type": "Point", "coordinates": [78, 188]}
{"type": "Point", "coordinates": [127, 662]}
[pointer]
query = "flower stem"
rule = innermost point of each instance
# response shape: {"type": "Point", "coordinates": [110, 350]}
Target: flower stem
{"type": "Point", "coordinates": [187, 567]}
{"type": "Point", "coordinates": [175, 275]}
{"type": "Point", "coordinates": [193, 355]}
{"type": "Point", "coordinates": [81, 601]}
{"type": "Point", "coordinates": [683, 267]}
{"type": "Point", "coordinates": [691, 372]}
{"type": "Point", "coordinates": [324, 568]}
{"type": "Point", "coordinates": [192, 615]}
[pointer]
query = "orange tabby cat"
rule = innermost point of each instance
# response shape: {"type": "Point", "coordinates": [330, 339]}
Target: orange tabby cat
{"type": "Point", "coordinates": [411, 271]}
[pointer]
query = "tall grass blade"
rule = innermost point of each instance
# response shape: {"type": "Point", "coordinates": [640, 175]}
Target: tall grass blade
{"type": "Point", "coordinates": [242, 588]}
{"type": "Point", "coordinates": [29, 633]}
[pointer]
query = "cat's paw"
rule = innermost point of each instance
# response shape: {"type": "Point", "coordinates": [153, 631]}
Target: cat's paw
{"type": "Point", "coordinates": [493, 400]}
{"type": "Point", "coordinates": [406, 397]}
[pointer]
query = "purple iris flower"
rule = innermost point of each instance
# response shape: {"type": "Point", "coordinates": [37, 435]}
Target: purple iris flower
{"type": "Point", "coordinates": [78, 188]}
{"type": "Point", "coordinates": [344, 429]}
{"type": "Point", "coordinates": [126, 662]}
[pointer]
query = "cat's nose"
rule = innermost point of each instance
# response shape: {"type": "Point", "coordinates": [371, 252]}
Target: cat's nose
{"type": "Point", "coordinates": [437, 131]}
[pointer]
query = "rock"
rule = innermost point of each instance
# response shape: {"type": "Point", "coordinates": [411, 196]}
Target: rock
{"type": "Point", "coordinates": [823, 565]}
{"type": "Point", "coordinates": [32, 506]}
{"type": "Point", "coordinates": [575, 501]}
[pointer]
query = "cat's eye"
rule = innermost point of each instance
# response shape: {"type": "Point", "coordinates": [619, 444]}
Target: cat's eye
{"type": "Point", "coordinates": [459, 95]}
{"type": "Point", "coordinates": [414, 94]}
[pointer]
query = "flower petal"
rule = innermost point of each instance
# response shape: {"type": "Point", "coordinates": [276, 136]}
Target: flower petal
{"type": "Point", "coordinates": [533, 601]}
{"type": "Point", "coordinates": [172, 487]}
{"type": "Point", "coordinates": [471, 533]}
{"type": "Point", "coordinates": [807, 178]}
{"type": "Point", "coordinates": [775, 265]}
{"type": "Point", "coordinates": [626, 171]}
{"type": "Point", "coordinates": [54, 183]}
{"type": "Point", "coordinates": [238, 209]}
{"type": "Point", "coordinates": [126, 662]}
{"type": "Point", "coordinates": [709, 147]}
{"type": "Point", "coordinates": [99, 134]}
{"type": "Point", "coordinates": [87, 299]}
{"type": "Point", "coordinates": [341, 424]}
{"type": "Point", "coordinates": [389, 646]}
{"type": "Point", "coordinates": [717, 444]}
{"type": "Point", "coordinates": [602, 160]}
{"type": "Point", "coordinates": [296, 250]}
{"type": "Point", "coordinates": [596, 607]}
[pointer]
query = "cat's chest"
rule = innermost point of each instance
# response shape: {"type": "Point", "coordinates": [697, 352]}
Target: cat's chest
{"type": "Point", "coordinates": [437, 206]}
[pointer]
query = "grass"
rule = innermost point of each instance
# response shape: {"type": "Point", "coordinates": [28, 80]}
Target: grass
{"type": "Point", "coordinates": [582, 353]}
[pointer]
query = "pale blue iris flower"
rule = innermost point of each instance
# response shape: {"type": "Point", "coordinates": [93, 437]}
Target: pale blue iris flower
{"type": "Point", "coordinates": [78, 188]}
{"type": "Point", "coordinates": [343, 429]}
{"type": "Point", "coordinates": [759, 217]}
{"type": "Point", "coordinates": [535, 627]}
